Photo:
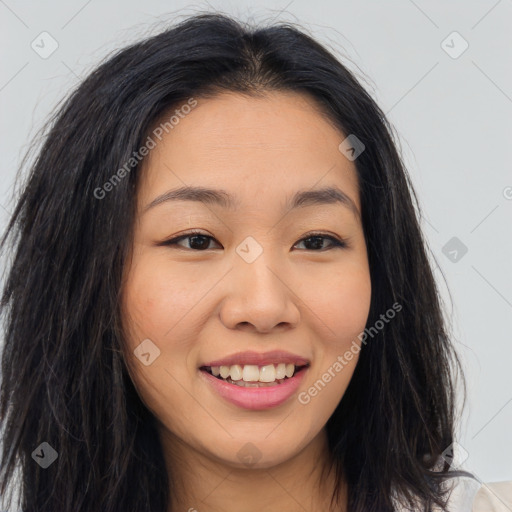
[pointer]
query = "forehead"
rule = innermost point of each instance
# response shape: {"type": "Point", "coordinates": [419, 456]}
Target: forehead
{"type": "Point", "coordinates": [258, 149]}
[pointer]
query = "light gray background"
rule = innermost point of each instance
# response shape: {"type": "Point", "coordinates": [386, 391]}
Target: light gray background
{"type": "Point", "coordinates": [453, 117]}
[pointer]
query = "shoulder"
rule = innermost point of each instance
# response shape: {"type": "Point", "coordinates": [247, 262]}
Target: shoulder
{"type": "Point", "coordinates": [493, 497]}
{"type": "Point", "coordinates": [468, 494]}
{"type": "Point", "coordinates": [463, 492]}
{"type": "Point", "coordinates": [471, 495]}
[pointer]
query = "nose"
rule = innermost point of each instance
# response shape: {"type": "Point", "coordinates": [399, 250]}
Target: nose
{"type": "Point", "coordinates": [259, 298]}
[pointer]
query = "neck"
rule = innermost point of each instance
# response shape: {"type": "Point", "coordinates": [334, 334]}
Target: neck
{"type": "Point", "coordinates": [200, 483]}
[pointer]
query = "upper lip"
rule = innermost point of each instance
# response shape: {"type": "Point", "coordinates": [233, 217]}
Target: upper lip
{"type": "Point", "coordinates": [259, 359]}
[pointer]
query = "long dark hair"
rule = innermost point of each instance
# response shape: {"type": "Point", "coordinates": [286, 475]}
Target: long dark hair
{"type": "Point", "coordinates": [64, 376]}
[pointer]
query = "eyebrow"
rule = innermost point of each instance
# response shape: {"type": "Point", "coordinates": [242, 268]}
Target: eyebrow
{"type": "Point", "coordinates": [222, 198]}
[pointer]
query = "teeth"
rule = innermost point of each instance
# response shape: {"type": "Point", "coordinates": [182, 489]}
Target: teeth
{"type": "Point", "coordinates": [236, 372]}
{"type": "Point", "coordinates": [251, 373]}
{"type": "Point", "coordinates": [267, 373]}
{"type": "Point", "coordinates": [254, 373]}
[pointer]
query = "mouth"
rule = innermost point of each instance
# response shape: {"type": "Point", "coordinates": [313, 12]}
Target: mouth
{"type": "Point", "coordinates": [255, 376]}
{"type": "Point", "coordinates": [240, 385]}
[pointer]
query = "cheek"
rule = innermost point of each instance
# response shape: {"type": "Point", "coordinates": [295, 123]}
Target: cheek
{"type": "Point", "coordinates": [339, 314]}
{"type": "Point", "coordinates": [155, 305]}
{"type": "Point", "coordinates": [339, 303]}
{"type": "Point", "coordinates": [158, 298]}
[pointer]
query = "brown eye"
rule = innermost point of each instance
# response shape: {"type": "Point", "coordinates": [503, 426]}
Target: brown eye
{"type": "Point", "coordinates": [200, 242]}
{"type": "Point", "coordinates": [316, 242]}
{"type": "Point", "coordinates": [197, 241]}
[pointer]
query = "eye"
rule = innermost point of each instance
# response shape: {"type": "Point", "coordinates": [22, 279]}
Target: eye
{"type": "Point", "coordinates": [200, 242]}
{"type": "Point", "coordinates": [316, 240]}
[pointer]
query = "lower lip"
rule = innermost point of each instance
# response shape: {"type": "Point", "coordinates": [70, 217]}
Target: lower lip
{"type": "Point", "coordinates": [256, 398]}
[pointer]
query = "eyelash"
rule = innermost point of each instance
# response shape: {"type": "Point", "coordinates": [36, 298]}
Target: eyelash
{"type": "Point", "coordinates": [336, 243]}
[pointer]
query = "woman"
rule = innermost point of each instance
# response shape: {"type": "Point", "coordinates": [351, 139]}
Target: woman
{"type": "Point", "coordinates": [220, 296]}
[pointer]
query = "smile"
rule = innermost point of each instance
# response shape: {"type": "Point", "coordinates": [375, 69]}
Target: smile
{"type": "Point", "coordinates": [253, 375]}
{"type": "Point", "coordinates": [253, 387]}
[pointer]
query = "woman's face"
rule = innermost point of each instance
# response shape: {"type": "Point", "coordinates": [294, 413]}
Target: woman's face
{"type": "Point", "coordinates": [262, 276]}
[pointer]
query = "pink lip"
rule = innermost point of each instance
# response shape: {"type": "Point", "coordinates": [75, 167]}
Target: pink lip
{"type": "Point", "coordinates": [255, 398]}
{"type": "Point", "coordinates": [260, 359]}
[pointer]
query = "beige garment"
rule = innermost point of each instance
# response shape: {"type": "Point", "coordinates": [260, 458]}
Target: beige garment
{"type": "Point", "coordinates": [468, 494]}
{"type": "Point", "coordinates": [494, 497]}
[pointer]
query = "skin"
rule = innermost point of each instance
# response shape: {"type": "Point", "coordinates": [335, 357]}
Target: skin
{"type": "Point", "coordinates": [199, 305]}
